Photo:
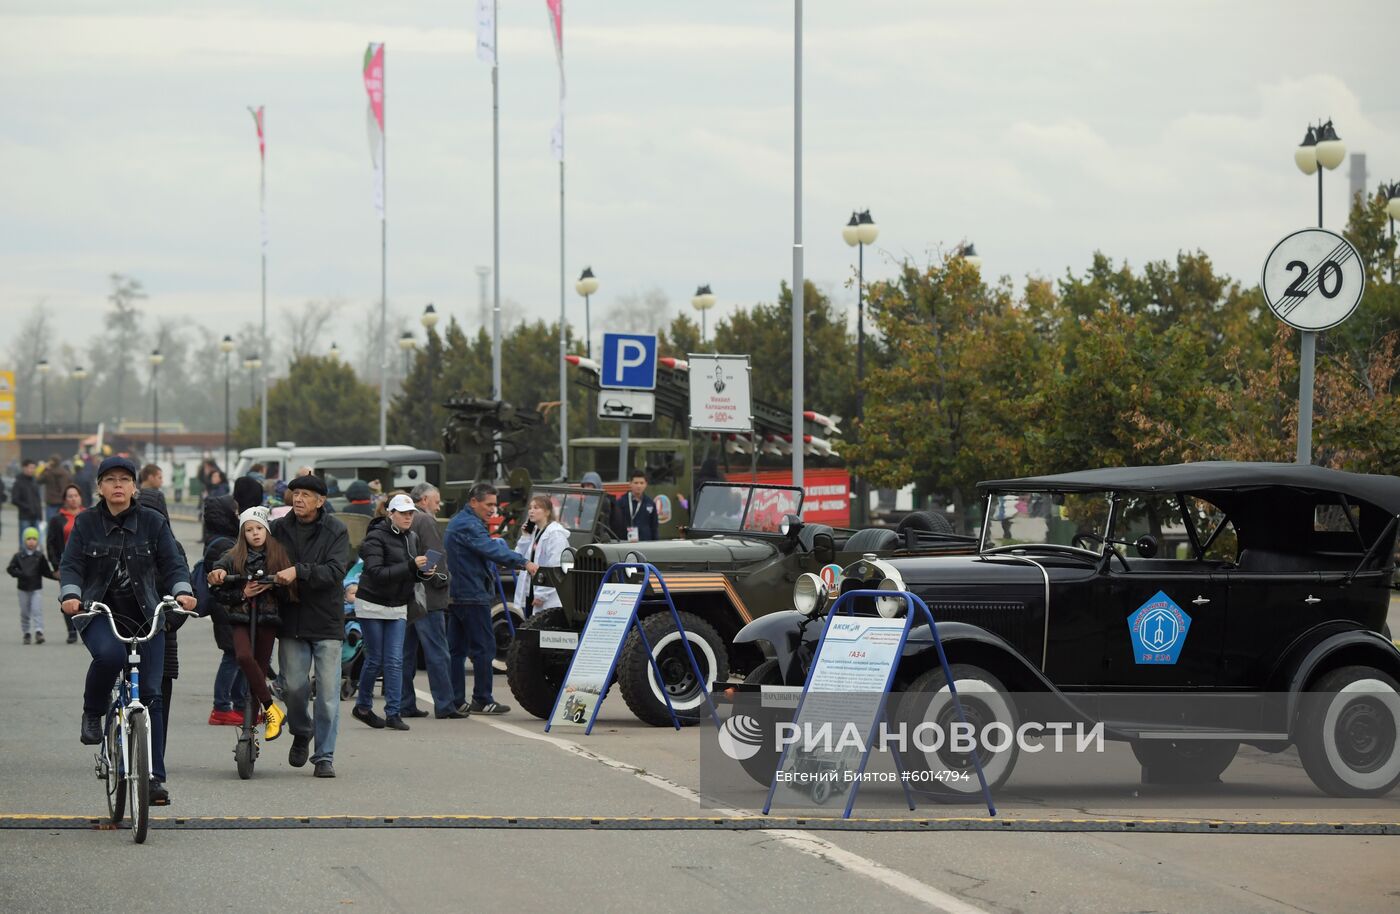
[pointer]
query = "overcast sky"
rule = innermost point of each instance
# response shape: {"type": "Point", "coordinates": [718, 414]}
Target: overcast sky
{"type": "Point", "coordinates": [1041, 131]}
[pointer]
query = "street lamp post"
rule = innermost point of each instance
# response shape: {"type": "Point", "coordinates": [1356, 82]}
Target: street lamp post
{"type": "Point", "coordinates": [586, 285]}
{"type": "Point", "coordinates": [968, 252]}
{"type": "Point", "coordinates": [703, 301]}
{"type": "Point", "coordinates": [251, 363]}
{"type": "Point", "coordinates": [43, 369]}
{"type": "Point", "coordinates": [334, 350]}
{"type": "Point", "coordinates": [1321, 148]}
{"type": "Point", "coordinates": [859, 232]}
{"type": "Point", "coordinates": [155, 358]}
{"type": "Point", "coordinates": [1392, 209]}
{"type": "Point", "coordinates": [406, 344]}
{"type": "Point", "coordinates": [429, 317]}
{"type": "Point", "coordinates": [80, 375]}
{"type": "Point", "coordinates": [226, 346]}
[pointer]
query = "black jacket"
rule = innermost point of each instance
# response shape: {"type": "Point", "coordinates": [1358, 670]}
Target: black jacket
{"type": "Point", "coordinates": [648, 528]}
{"type": "Point", "coordinates": [155, 500]}
{"type": "Point", "coordinates": [236, 609]}
{"type": "Point", "coordinates": [26, 498]}
{"type": "Point", "coordinates": [389, 571]}
{"type": "Point", "coordinates": [30, 568]}
{"type": "Point", "coordinates": [55, 540]}
{"type": "Point", "coordinates": [213, 551]}
{"type": "Point", "coordinates": [141, 539]}
{"type": "Point", "coordinates": [320, 551]}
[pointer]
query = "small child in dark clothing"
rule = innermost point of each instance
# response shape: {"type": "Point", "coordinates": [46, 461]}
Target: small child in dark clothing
{"type": "Point", "coordinates": [30, 566]}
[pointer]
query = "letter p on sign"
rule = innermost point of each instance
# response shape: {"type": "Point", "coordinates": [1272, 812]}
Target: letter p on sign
{"type": "Point", "coordinates": [629, 361]}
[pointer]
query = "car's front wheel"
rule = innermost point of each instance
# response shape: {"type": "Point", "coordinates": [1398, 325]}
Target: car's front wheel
{"type": "Point", "coordinates": [1184, 761]}
{"type": "Point", "coordinates": [1346, 732]}
{"type": "Point", "coordinates": [930, 717]}
{"type": "Point", "coordinates": [639, 685]}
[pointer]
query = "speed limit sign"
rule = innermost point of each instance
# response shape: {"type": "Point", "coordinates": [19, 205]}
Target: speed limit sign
{"type": "Point", "coordinates": [1313, 279]}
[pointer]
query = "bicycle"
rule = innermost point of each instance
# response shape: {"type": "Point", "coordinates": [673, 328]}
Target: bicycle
{"type": "Point", "coordinates": [124, 759]}
{"type": "Point", "coordinates": [247, 749]}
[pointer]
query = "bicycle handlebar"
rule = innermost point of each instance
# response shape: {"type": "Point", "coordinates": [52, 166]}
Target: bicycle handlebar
{"type": "Point", "coordinates": [97, 608]}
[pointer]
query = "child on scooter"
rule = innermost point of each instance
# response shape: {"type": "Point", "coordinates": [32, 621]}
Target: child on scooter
{"type": "Point", "coordinates": [255, 554]}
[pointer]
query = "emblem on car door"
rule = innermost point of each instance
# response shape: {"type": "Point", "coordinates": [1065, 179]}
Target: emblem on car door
{"type": "Point", "coordinates": [1157, 630]}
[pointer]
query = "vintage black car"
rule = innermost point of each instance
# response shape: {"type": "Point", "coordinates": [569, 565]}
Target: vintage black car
{"type": "Point", "coordinates": [1267, 583]}
{"type": "Point", "coordinates": [745, 548]}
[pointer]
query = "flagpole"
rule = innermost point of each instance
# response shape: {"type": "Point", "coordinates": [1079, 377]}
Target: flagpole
{"type": "Point", "coordinates": [265, 357]}
{"type": "Point", "coordinates": [495, 229]}
{"type": "Point", "coordinates": [563, 344]}
{"type": "Point", "coordinates": [799, 296]}
{"type": "Point", "coordinates": [384, 256]}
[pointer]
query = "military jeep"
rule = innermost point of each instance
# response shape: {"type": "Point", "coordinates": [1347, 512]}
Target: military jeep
{"type": "Point", "coordinates": [744, 549]}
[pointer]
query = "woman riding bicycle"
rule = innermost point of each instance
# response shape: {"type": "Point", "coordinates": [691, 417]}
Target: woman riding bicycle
{"type": "Point", "coordinates": [126, 556]}
{"type": "Point", "coordinates": [255, 554]}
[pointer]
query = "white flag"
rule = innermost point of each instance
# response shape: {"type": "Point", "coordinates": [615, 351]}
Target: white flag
{"type": "Point", "coordinates": [556, 28]}
{"type": "Point", "coordinates": [486, 31]}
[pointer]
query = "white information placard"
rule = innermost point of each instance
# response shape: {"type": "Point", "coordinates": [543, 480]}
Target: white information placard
{"type": "Point", "coordinates": [596, 654]}
{"type": "Point", "coordinates": [720, 394]}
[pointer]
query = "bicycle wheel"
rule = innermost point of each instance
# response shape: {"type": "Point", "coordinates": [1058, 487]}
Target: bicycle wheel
{"type": "Point", "coordinates": [139, 744]}
{"type": "Point", "coordinates": [115, 771]}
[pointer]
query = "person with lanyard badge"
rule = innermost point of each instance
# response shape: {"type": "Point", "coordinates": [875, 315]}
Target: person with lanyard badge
{"type": "Point", "coordinates": [543, 542]}
{"type": "Point", "coordinates": [126, 556]}
{"type": "Point", "coordinates": [634, 515]}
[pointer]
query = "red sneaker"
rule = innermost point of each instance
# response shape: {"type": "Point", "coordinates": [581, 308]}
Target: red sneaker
{"type": "Point", "coordinates": [226, 718]}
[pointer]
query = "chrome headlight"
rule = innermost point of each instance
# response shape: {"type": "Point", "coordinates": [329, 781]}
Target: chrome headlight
{"type": "Point", "coordinates": [790, 525]}
{"type": "Point", "coordinates": [634, 558]}
{"type": "Point", "coordinates": [889, 607]}
{"type": "Point", "coordinates": [809, 594]}
{"type": "Point", "coordinates": [566, 559]}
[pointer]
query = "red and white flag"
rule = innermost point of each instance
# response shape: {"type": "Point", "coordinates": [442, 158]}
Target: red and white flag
{"type": "Point", "coordinates": [262, 156]}
{"type": "Point", "coordinates": [556, 27]}
{"type": "Point", "coordinates": [374, 88]}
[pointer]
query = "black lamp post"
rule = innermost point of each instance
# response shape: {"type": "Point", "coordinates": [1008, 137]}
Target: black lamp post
{"type": "Point", "coordinates": [80, 375]}
{"type": "Point", "coordinates": [1320, 147]}
{"type": "Point", "coordinates": [155, 358]}
{"type": "Point", "coordinates": [586, 285]}
{"type": "Point", "coordinates": [703, 300]}
{"type": "Point", "coordinates": [859, 232]}
{"type": "Point", "coordinates": [43, 369]}
{"type": "Point", "coordinates": [406, 344]}
{"type": "Point", "coordinates": [226, 346]}
{"type": "Point", "coordinates": [1392, 209]}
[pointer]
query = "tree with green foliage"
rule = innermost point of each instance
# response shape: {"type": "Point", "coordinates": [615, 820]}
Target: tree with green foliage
{"type": "Point", "coordinates": [321, 402]}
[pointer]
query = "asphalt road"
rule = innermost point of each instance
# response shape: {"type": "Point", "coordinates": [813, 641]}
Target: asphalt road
{"type": "Point", "coordinates": [509, 767]}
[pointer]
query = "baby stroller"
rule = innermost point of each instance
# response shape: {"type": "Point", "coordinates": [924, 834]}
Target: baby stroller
{"type": "Point", "coordinates": [352, 649]}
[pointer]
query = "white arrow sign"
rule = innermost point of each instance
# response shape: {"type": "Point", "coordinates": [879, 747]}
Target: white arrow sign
{"type": "Point", "coordinates": [1313, 279]}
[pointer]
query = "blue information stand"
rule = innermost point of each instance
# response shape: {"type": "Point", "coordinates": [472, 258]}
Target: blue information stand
{"type": "Point", "coordinates": [911, 603]}
{"type": "Point", "coordinates": [630, 570]}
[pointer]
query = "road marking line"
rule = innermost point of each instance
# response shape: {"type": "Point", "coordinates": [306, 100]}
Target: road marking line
{"type": "Point", "coordinates": [801, 841]}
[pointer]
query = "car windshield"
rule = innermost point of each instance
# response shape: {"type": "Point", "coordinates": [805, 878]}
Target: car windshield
{"type": "Point", "coordinates": [1032, 517]}
{"type": "Point", "coordinates": [750, 509]}
{"type": "Point", "coordinates": [576, 510]}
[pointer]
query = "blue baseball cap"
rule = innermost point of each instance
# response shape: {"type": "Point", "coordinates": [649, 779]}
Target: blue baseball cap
{"type": "Point", "coordinates": [117, 464]}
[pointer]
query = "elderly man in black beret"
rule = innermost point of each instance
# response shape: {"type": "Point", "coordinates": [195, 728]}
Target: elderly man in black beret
{"type": "Point", "coordinates": [313, 626]}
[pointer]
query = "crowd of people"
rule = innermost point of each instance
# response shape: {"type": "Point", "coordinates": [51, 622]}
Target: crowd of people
{"type": "Point", "coordinates": [277, 571]}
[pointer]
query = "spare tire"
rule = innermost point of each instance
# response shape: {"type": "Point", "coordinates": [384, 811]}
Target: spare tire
{"type": "Point", "coordinates": [924, 522]}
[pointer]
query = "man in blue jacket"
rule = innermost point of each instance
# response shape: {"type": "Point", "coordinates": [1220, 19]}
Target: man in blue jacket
{"type": "Point", "coordinates": [472, 557]}
{"type": "Point", "coordinates": [123, 555]}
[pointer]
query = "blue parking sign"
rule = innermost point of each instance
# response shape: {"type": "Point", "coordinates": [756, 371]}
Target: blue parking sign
{"type": "Point", "coordinates": [629, 361]}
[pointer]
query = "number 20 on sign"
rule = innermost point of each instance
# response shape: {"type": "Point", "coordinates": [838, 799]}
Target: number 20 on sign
{"type": "Point", "coordinates": [1313, 279]}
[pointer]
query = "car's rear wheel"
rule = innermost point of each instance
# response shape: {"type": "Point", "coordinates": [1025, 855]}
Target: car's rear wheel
{"type": "Point", "coordinates": [1346, 732]}
{"type": "Point", "coordinates": [1184, 761]}
{"type": "Point", "coordinates": [637, 681]}
{"type": "Point", "coordinates": [536, 674]}
{"type": "Point", "coordinates": [985, 702]}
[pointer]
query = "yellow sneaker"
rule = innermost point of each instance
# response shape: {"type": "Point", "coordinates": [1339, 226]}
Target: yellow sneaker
{"type": "Point", "coordinates": [272, 728]}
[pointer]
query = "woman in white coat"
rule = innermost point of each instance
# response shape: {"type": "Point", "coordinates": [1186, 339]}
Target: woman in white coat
{"type": "Point", "coordinates": [542, 542]}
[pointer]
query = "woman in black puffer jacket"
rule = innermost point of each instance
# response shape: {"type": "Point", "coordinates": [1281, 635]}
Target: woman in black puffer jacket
{"type": "Point", "coordinates": [392, 567]}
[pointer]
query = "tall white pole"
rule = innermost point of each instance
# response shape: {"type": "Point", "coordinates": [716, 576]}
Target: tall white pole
{"type": "Point", "coordinates": [496, 391]}
{"type": "Point", "coordinates": [563, 345]}
{"type": "Point", "coordinates": [798, 290]}
{"type": "Point", "coordinates": [266, 355]}
{"type": "Point", "coordinates": [384, 271]}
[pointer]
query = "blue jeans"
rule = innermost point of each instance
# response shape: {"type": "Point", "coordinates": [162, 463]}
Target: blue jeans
{"type": "Point", "coordinates": [430, 632]}
{"type": "Point", "coordinates": [383, 639]}
{"type": "Point", "coordinates": [296, 658]}
{"type": "Point", "coordinates": [230, 688]}
{"type": "Point", "coordinates": [108, 655]}
{"type": "Point", "coordinates": [469, 634]}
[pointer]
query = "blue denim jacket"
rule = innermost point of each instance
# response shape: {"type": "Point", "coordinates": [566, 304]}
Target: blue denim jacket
{"type": "Point", "coordinates": [472, 557]}
{"type": "Point", "coordinates": [99, 540]}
